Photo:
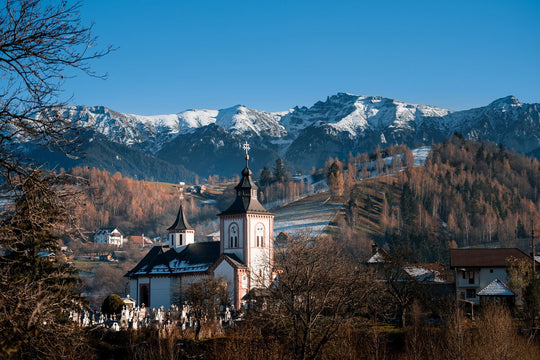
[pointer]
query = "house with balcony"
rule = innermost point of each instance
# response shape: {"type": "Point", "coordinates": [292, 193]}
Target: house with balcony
{"type": "Point", "coordinates": [109, 236]}
{"type": "Point", "coordinates": [479, 272]}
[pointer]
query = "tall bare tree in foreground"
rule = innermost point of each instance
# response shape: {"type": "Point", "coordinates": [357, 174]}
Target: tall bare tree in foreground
{"type": "Point", "coordinates": [40, 44]}
{"type": "Point", "coordinates": [316, 291]}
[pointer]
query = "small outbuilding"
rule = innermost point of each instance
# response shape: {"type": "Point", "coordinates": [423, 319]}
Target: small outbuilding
{"type": "Point", "coordinates": [496, 292]}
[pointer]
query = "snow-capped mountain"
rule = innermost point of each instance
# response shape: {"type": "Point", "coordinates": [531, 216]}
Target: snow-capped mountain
{"type": "Point", "coordinates": [150, 133]}
{"type": "Point", "coordinates": [356, 115]}
{"type": "Point", "coordinates": [207, 141]}
{"type": "Point", "coordinates": [505, 121]}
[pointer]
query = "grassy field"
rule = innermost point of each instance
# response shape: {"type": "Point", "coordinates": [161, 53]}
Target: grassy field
{"type": "Point", "coordinates": [310, 215]}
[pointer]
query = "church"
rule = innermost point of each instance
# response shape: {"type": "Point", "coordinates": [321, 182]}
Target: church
{"type": "Point", "coordinates": [243, 256]}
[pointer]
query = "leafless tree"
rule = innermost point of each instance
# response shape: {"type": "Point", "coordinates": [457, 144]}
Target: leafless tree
{"type": "Point", "coordinates": [40, 45]}
{"type": "Point", "coordinates": [316, 291]}
{"type": "Point", "coordinates": [204, 299]}
{"type": "Point", "coordinates": [400, 288]}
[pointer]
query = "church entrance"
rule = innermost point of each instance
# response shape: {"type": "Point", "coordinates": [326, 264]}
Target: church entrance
{"type": "Point", "coordinates": [144, 295]}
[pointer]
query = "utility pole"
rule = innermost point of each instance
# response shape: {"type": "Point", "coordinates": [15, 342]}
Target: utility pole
{"type": "Point", "coordinates": [533, 251]}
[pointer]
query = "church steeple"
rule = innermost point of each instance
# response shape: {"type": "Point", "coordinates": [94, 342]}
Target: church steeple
{"type": "Point", "coordinates": [246, 192]}
{"type": "Point", "coordinates": [247, 236]}
{"type": "Point", "coordinates": [181, 233]}
{"type": "Point", "coordinates": [181, 222]}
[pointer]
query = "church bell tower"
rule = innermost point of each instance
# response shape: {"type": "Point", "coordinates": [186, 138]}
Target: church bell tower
{"type": "Point", "coordinates": [180, 233]}
{"type": "Point", "coordinates": [246, 229]}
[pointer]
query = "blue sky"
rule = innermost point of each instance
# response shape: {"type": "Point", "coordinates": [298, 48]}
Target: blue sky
{"type": "Point", "coordinates": [274, 55]}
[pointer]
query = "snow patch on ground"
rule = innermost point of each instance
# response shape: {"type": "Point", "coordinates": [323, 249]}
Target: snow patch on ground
{"type": "Point", "coordinates": [308, 216]}
{"type": "Point", "coordinates": [420, 155]}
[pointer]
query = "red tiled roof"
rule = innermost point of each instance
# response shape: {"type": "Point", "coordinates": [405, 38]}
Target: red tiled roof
{"type": "Point", "coordinates": [140, 240]}
{"type": "Point", "coordinates": [481, 257]}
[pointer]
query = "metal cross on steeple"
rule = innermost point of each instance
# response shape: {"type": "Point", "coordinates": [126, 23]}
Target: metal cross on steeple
{"type": "Point", "coordinates": [181, 191]}
{"type": "Point", "coordinates": [246, 148]}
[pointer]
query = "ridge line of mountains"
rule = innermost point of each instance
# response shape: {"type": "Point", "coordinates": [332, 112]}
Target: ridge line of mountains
{"type": "Point", "coordinates": [192, 143]}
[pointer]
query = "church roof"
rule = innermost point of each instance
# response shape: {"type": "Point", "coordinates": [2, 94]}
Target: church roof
{"type": "Point", "coordinates": [235, 260]}
{"type": "Point", "coordinates": [196, 257]}
{"type": "Point", "coordinates": [246, 199]}
{"type": "Point", "coordinates": [245, 204]}
{"type": "Point", "coordinates": [181, 222]}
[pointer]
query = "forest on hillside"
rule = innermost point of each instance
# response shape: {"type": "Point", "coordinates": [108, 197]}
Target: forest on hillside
{"type": "Point", "coordinates": [134, 206]}
{"type": "Point", "coordinates": [468, 194]}
{"type": "Point", "coordinates": [138, 206]}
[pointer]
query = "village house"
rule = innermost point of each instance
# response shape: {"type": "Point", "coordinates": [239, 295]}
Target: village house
{"type": "Point", "coordinates": [109, 236]}
{"type": "Point", "coordinates": [433, 278]}
{"type": "Point", "coordinates": [139, 240]}
{"type": "Point", "coordinates": [47, 255]}
{"type": "Point", "coordinates": [242, 257]}
{"type": "Point", "coordinates": [197, 189]}
{"type": "Point", "coordinates": [378, 255]}
{"type": "Point", "coordinates": [481, 273]}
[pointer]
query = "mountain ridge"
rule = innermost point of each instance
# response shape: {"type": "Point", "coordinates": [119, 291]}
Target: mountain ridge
{"type": "Point", "coordinates": [307, 136]}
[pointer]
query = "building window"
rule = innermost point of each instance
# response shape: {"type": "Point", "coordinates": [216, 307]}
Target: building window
{"type": "Point", "coordinates": [233, 236]}
{"type": "Point", "coordinates": [471, 293]}
{"type": "Point", "coordinates": [181, 240]}
{"type": "Point", "coordinates": [471, 277]}
{"type": "Point", "coordinates": [259, 234]}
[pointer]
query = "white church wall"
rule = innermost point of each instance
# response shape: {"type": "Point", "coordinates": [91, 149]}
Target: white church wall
{"type": "Point", "coordinates": [160, 292]}
{"type": "Point", "coordinates": [189, 237]}
{"type": "Point", "coordinates": [260, 255]}
{"type": "Point", "coordinates": [185, 282]}
{"type": "Point", "coordinates": [226, 272]}
{"type": "Point", "coordinates": [260, 267]}
{"type": "Point", "coordinates": [133, 290]}
{"type": "Point", "coordinates": [175, 290]}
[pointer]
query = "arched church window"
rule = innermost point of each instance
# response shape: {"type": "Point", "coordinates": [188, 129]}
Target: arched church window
{"type": "Point", "coordinates": [259, 235]}
{"type": "Point", "coordinates": [233, 236]}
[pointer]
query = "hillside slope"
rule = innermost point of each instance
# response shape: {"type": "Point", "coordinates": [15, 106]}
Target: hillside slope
{"type": "Point", "coordinates": [468, 194]}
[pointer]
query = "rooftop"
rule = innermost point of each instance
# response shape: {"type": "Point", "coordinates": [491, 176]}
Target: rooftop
{"type": "Point", "coordinates": [482, 257]}
{"type": "Point", "coordinates": [181, 222]}
{"type": "Point", "coordinates": [496, 288]}
{"type": "Point", "coordinates": [196, 257]}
